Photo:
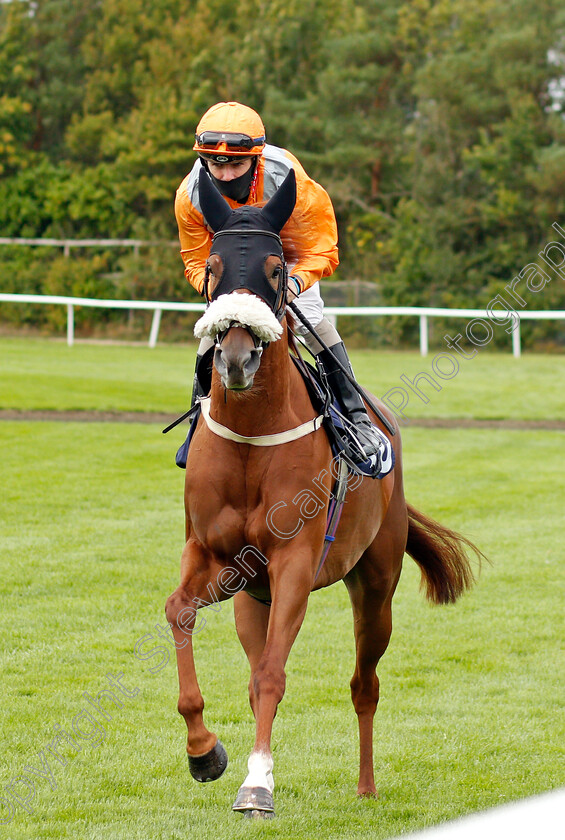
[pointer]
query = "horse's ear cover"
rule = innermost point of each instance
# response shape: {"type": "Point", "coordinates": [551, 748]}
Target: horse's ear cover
{"type": "Point", "coordinates": [215, 208]}
{"type": "Point", "coordinates": [278, 209]}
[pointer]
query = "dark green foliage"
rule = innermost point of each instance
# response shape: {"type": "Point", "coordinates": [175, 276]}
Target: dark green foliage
{"type": "Point", "coordinates": [436, 126]}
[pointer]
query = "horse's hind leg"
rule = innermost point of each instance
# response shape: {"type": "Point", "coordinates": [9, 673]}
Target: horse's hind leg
{"type": "Point", "coordinates": [251, 623]}
{"type": "Point", "coordinates": [371, 584]}
{"type": "Point", "coordinates": [290, 586]}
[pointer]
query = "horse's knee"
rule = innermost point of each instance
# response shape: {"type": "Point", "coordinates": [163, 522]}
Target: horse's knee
{"type": "Point", "coordinates": [173, 606]}
{"type": "Point", "coordinates": [179, 606]}
{"type": "Point", "coordinates": [268, 680]}
{"type": "Point", "coordinates": [365, 693]}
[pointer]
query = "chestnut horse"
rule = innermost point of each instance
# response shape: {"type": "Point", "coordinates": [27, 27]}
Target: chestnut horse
{"type": "Point", "coordinates": [252, 532]}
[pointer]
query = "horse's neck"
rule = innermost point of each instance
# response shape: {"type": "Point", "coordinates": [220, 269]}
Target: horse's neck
{"type": "Point", "coordinates": [265, 408]}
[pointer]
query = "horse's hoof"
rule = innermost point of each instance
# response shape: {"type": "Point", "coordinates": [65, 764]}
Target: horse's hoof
{"type": "Point", "coordinates": [255, 802]}
{"type": "Point", "coordinates": [210, 766]}
{"type": "Point", "coordinates": [255, 814]}
{"type": "Point", "coordinates": [367, 794]}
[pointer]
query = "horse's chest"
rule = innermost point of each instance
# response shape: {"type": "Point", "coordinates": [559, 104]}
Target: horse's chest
{"type": "Point", "coordinates": [227, 518]}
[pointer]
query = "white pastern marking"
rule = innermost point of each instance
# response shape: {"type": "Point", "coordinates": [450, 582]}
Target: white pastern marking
{"type": "Point", "coordinates": [260, 766]}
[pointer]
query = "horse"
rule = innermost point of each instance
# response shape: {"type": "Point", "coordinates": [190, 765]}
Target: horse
{"type": "Point", "coordinates": [254, 527]}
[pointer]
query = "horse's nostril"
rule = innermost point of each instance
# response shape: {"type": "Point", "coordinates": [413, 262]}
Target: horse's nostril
{"type": "Point", "coordinates": [219, 362]}
{"type": "Point", "coordinates": [251, 365]}
{"type": "Point", "coordinates": [237, 362]}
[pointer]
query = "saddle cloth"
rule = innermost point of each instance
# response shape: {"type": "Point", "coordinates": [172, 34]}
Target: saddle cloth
{"type": "Point", "coordinates": [339, 430]}
{"type": "Point", "coordinates": [336, 426]}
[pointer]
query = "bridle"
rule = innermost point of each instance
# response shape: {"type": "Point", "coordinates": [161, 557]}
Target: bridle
{"type": "Point", "coordinates": [258, 344]}
{"type": "Point", "coordinates": [275, 299]}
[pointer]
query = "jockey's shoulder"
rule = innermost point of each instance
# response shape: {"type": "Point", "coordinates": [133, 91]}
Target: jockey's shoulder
{"type": "Point", "coordinates": [276, 164]}
{"type": "Point", "coordinates": [274, 156]}
{"type": "Point", "coordinates": [188, 188]}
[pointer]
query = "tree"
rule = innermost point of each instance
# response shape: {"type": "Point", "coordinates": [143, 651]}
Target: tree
{"type": "Point", "coordinates": [437, 126]}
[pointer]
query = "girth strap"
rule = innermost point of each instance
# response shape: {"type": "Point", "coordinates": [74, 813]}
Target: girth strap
{"type": "Point", "coordinates": [261, 440]}
{"type": "Point", "coordinates": [334, 511]}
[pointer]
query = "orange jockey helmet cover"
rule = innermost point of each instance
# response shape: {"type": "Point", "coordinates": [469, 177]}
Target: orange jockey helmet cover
{"type": "Point", "coordinates": [230, 128]}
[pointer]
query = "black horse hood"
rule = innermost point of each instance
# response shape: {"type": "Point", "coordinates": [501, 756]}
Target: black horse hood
{"type": "Point", "coordinates": [272, 217]}
{"type": "Point", "coordinates": [245, 237]}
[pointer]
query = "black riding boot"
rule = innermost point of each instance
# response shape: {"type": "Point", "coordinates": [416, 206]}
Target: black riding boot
{"type": "Point", "coordinates": [349, 399]}
{"type": "Point", "coordinates": [197, 391]}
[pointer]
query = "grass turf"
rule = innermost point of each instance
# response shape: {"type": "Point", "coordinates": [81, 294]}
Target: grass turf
{"type": "Point", "coordinates": [38, 374]}
{"type": "Point", "coordinates": [471, 712]}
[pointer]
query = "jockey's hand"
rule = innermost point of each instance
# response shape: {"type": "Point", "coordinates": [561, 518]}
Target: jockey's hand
{"type": "Point", "coordinates": [294, 289]}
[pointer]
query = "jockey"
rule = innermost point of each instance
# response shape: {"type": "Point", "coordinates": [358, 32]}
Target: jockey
{"type": "Point", "coordinates": [230, 141]}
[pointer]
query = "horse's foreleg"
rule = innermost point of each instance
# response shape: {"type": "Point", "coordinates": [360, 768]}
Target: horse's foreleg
{"type": "Point", "coordinates": [371, 585]}
{"type": "Point", "coordinates": [290, 590]}
{"type": "Point", "coordinates": [206, 756]}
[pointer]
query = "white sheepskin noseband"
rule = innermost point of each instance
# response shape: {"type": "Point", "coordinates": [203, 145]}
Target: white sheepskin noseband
{"type": "Point", "coordinates": [246, 310]}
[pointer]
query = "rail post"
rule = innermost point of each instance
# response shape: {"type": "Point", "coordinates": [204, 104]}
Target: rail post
{"type": "Point", "coordinates": [70, 324]}
{"type": "Point", "coordinates": [423, 335]}
{"type": "Point", "coordinates": [155, 324]}
{"type": "Point", "coordinates": [516, 341]}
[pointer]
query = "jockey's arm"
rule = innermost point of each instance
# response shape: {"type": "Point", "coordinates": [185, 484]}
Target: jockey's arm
{"type": "Point", "coordinates": [310, 236]}
{"type": "Point", "coordinates": [195, 240]}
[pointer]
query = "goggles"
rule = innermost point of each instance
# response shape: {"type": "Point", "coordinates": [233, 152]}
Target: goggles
{"type": "Point", "coordinates": [214, 140]}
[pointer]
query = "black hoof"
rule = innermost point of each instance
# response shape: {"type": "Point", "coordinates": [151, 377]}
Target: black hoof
{"type": "Point", "coordinates": [210, 766]}
{"type": "Point", "coordinates": [256, 802]}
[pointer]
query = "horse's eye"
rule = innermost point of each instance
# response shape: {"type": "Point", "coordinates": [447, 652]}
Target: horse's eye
{"type": "Point", "coordinates": [277, 271]}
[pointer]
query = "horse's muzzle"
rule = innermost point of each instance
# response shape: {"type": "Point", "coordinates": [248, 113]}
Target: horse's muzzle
{"type": "Point", "coordinates": [237, 367]}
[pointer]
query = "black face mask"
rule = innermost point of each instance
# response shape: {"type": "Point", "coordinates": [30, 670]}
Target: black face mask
{"type": "Point", "coordinates": [244, 238]}
{"type": "Point", "coordinates": [238, 188]}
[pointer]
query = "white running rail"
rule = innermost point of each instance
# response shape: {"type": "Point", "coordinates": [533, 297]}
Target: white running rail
{"type": "Point", "coordinates": [423, 313]}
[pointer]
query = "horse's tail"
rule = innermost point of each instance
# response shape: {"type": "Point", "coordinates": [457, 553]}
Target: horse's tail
{"type": "Point", "coordinates": [440, 554]}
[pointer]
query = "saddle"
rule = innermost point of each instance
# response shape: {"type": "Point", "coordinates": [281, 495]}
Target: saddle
{"type": "Point", "coordinates": [340, 431]}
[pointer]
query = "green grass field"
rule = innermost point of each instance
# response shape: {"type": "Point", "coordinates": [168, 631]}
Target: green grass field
{"type": "Point", "coordinates": [471, 713]}
{"type": "Point", "coordinates": [39, 374]}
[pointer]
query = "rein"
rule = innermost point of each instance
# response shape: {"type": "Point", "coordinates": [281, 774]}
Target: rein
{"type": "Point", "coordinates": [384, 420]}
